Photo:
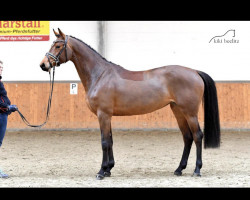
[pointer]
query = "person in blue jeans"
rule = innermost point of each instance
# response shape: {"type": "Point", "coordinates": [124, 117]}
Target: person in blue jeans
{"type": "Point", "coordinates": [5, 109]}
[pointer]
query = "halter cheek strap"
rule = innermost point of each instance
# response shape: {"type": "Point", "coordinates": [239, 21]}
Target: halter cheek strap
{"type": "Point", "coordinates": [56, 58]}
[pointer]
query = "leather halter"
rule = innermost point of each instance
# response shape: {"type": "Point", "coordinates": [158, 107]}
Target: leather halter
{"type": "Point", "coordinates": [56, 58]}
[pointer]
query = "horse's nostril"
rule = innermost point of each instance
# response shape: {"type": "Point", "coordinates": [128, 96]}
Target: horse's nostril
{"type": "Point", "coordinates": [42, 66]}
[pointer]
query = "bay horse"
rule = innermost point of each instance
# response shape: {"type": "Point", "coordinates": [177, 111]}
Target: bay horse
{"type": "Point", "coordinates": [112, 90]}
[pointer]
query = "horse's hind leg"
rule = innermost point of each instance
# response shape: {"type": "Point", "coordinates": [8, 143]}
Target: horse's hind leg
{"type": "Point", "coordinates": [197, 136]}
{"type": "Point", "coordinates": [187, 137]}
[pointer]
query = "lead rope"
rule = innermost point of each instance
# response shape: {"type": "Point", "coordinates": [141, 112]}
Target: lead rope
{"type": "Point", "coordinates": [48, 106]}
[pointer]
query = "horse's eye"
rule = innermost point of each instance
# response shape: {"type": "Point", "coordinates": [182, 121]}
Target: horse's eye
{"type": "Point", "coordinates": [58, 47]}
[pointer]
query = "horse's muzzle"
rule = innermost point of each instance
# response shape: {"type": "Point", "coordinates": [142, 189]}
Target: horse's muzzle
{"type": "Point", "coordinates": [43, 67]}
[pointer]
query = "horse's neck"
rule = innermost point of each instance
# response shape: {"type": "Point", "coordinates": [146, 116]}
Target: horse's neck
{"type": "Point", "coordinates": [88, 63]}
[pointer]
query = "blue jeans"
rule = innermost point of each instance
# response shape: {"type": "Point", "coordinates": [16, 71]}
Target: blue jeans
{"type": "Point", "coordinates": [3, 126]}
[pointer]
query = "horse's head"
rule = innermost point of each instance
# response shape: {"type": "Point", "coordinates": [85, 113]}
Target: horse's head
{"type": "Point", "coordinates": [58, 53]}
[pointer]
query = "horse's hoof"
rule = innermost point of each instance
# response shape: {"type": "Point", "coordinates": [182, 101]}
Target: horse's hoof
{"type": "Point", "coordinates": [107, 174]}
{"type": "Point", "coordinates": [196, 174]}
{"type": "Point", "coordinates": [177, 173]}
{"type": "Point", "coordinates": [99, 177]}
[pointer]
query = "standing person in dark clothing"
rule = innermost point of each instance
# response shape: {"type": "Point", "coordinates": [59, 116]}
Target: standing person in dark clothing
{"type": "Point", "coordinates": [5, 109]}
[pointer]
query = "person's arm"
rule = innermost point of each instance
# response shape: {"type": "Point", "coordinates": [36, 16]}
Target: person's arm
{"type": "Point", "coordinates": [3, 104]}
{"type": "Point", "coordinates": [5, 107]}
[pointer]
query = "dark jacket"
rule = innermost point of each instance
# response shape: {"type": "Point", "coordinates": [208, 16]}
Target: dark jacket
{"type": "Point", "coordinates": [4, 100]}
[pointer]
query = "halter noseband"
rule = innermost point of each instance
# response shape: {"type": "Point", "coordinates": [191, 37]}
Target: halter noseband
{"type": "Point", "coordinates": [56, 58]}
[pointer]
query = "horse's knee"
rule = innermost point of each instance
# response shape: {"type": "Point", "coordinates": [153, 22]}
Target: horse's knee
{"type": "Point", "coordinates": [105, 145]}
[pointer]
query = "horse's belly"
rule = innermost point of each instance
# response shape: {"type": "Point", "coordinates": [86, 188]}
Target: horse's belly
{"type": "Point", "coordinates": [138, 110]}
{"type": "Point", "coordinates": [138, 100]}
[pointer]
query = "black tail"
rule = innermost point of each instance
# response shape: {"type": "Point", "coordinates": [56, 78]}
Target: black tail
{"type": "Point", "coordinates": [211, 113]}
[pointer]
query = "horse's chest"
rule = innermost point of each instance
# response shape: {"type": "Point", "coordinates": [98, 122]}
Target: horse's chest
{"type": "Point", "coordinates": [101, 99]}
{"type": "Point", "coordinates": [93, 100]}
{"type": "Point", "coordinates": [91, 105]}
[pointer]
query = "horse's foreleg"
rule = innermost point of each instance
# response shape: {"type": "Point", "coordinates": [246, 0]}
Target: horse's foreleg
{"type": "Point", "coordinates": [187, 138]}
{"type": "Point", "coordinates": [107, 143]}
{"type": "Point", "coordinates": [111, 162]}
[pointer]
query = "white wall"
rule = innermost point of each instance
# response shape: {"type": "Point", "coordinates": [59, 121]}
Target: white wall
{"type": "Point", "coordinates": [144, 45]}
{"type": "Point", "coordinates": [139, 46]}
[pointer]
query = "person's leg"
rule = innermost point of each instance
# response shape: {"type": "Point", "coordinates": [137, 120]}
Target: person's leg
{"type": "Point", "coordinates": [3, 126]}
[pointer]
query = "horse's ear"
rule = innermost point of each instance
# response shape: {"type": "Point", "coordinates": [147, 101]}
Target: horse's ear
{"type": "Point", "coordinates": [61, 33]}
{"type": "Point", "coordinates": [56, 34]}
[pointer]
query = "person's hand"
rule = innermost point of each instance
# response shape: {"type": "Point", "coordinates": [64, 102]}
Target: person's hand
{"type": "Point", "coordinates": [12, 108]}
